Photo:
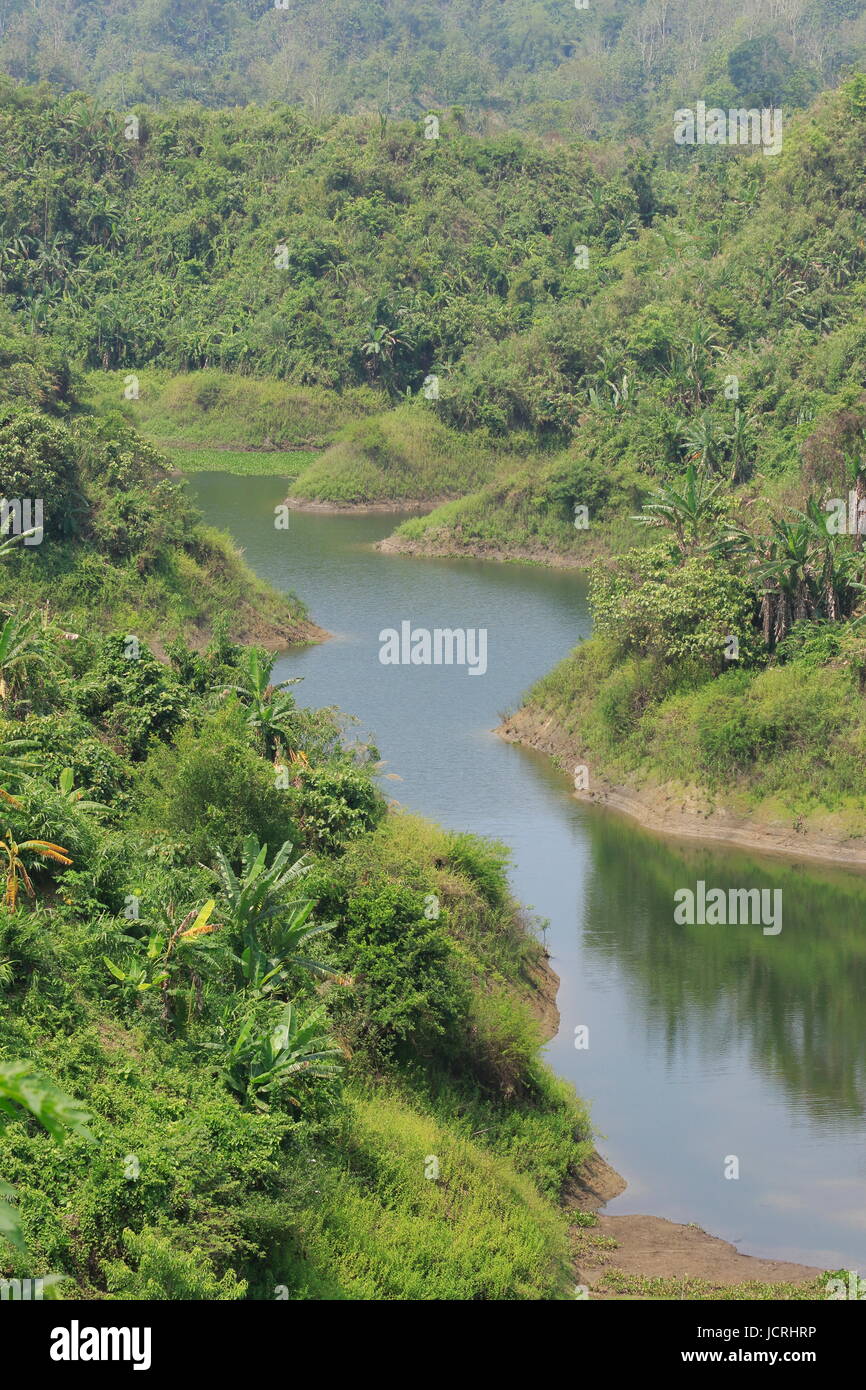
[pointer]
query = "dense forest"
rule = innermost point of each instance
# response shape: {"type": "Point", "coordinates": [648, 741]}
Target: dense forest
{"type": "Point", "coordinates": [606, 67]}
{"type": "Point", "coordinates": [215, 939]}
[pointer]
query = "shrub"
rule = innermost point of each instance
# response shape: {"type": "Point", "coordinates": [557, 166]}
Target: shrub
{"type": "Point", "coordinates": [211, 789]}
{"type": "Point", "coordinates": [484, 862]}
{"type": "Point", "coordinates": [37, 460]}
{"type": "Point", "coordinates": [133, 697]}
{"type": "Point", "coordinates": [336, 804]}
{"type": "Point", "coordinates": [408, 983]}
{"type": "Point", "coordinates": [164, 1272]}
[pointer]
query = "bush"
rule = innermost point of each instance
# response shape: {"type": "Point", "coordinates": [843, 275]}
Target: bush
{"type": "Point", "coordinates": [164, 1272]}
{"type": "Point", "coordinates": [336, 804]}
{"type": "Point", "coordinates": [131, 695]}
{"type": "Point", "coordinates": [484, 862]}
{"type": "Point", "coordinates": [676, 613]}
{"type": "Point", "coordinates": [212, 789]}
{"type": "Point", "coordinates": [37, 460]}
{"type": "Point", "coordinates": [408, 983]}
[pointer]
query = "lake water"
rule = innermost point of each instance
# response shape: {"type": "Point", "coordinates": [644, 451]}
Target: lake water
{"type": "Point", "coordinates": [705, 1043]}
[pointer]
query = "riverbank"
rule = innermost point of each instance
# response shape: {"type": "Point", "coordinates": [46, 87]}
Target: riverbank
{"type": "Point", "coordinates": [671, 809]}
{"type": "Point", "coordinates": [352, 590]}
{"type": "Point", "coordinates": [441, 546]}
{"type": "Point", "coordinates": [303, 504]}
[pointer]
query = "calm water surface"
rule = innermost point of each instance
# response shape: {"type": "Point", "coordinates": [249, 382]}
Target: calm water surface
{"type": "Point", "coordinates": [705, 1042]}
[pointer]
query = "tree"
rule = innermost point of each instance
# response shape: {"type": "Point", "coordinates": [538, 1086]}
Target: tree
{"type": "Point", "coordinates": [16, 870]}
{"type": "Point", "coordinates": [690, 510]}
{"type": "Point", "coordinates": [270, 707]}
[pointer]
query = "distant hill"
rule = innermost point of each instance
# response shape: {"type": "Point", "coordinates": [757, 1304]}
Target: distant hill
{"type": "Point", "coordinates": [615, 65]}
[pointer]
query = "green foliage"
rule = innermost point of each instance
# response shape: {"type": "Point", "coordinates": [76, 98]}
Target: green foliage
{"type": "Point", "coordinates": [22, 1087]}
{"type": "Point", "coordinates": [336, 804]}
{"type": "Point", "coordinates": [127, 693]}
{"type": "Point", "coordinates": [276, 1060]}
{"type": "Point", "coordinates": [410, 988]}
{"type": "Point", "coordinates": [162, 1272]}
{"type": "Point", "coordinates": [38, 462]}
{"type": "Point", "coordinates": [211, 788]}
{"type": "Point", "coordinates": [684, 615]}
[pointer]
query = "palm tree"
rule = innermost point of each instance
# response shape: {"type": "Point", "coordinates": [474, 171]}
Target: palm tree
{"type": "Point", "coordinates": [834, 562]}
{"type": "Point", "coordinates": [16, 871]}
{"type": "Point", "coordinates": [739, 442]}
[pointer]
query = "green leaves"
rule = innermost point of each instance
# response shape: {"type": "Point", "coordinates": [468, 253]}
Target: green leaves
{"type": "Point", "coordinates": [690, 510]}
{"type": "Point", "coordinates": [280, 1058]}
{"type": "Point", "coordinates": [22, 1087]}
{"type": "Point", "coordinates": [10, 1222]}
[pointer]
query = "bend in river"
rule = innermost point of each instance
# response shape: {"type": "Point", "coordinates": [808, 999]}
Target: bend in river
{"type": "Point", "coordinates": [705, 1042]}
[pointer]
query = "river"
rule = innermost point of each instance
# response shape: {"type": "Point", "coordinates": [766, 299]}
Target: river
{"type": "Point", "coordinates": [706, 1044]}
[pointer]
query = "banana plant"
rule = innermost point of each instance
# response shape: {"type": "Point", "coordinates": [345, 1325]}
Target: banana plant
{"type": "Point", "coordinates": [187, 948]}
{"type": "Point", "coordinates": [157, 957]}
{"type": "Point", "coordinates": [270, 708]}
{"type": "Point", "coordinates": [76, 795]}
{"type": "Point", "coordinates": [16, 871]}
{"type": "Point", "coordinates": [280, 1058]}
{"type": "Point", "coordinates": [140, 975]}
{"type": "Point", "coordinates": [23, 644]}
{"type": "Point", "coordinates": [259, 892]}
{"type": "Point", "coordinates": [265, 971]}
{"type": "Point", "coordinates": [18, 538]}
{"type": "Point", "coordinates": [269, 924]}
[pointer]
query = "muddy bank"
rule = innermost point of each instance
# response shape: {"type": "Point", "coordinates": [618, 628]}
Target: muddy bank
{"type": "Point", "coordinates": [648, 1247]}
{"type": "Point", "coordinates": [651, 1247]}
{"type": "Point", "coordinates": [276, 639]}
{"type": "Point", "coordinates": [684, 813]}
{"type": "Point", "coordinates": [416, 508]}
{"type": "Point", "coordinates": [441, 547]}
